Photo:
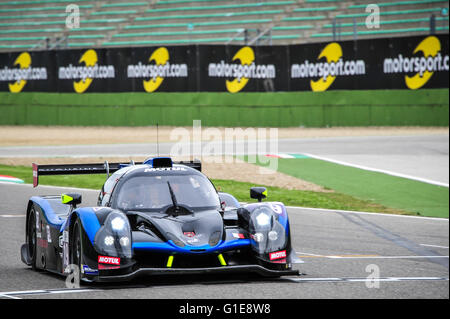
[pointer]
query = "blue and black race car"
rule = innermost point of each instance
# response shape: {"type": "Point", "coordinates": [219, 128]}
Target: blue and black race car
{"type": "Point", "coordinates": [153, 218]}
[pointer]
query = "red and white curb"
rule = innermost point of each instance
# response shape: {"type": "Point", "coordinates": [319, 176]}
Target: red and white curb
{"type": "Point", "coordinates": [10, 179]}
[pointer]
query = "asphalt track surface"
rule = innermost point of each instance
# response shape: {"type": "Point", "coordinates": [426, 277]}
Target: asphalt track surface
{"type": "Point", "coordinates": [422, 156]}
{"type": "Point", "coordinates": [346, 255]}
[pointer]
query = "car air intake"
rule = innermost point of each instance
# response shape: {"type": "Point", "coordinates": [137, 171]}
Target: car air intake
{"type": "Point", "coordinates": [159, 162]}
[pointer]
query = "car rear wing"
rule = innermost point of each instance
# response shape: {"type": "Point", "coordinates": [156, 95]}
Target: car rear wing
{"type": "Point", "coordinates": [102, 168]}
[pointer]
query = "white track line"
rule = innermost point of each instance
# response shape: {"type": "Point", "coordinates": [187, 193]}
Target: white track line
{"type": "Point", "coordinates": [305, 255]}
{"type": "Point", "coordinates": [436, 246]}
{"type": "Point", "coordinates": [12, 216]}
{"type": "Point", "coordinates": [326, 210]}
{"type": "Point", "coordinates": [384, 257]}
{"type": "Point", "coordinates": [424, 180]}
{"type": "Point", "coordinates": [7, 296]}
{"type": "Point", "coordinates": [17, 294]}
{"type": "Point", "coordinates": [371, 280]}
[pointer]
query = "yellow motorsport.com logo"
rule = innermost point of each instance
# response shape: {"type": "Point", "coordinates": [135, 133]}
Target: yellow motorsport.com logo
{"type": "Point", "coordinates": [18, 77]}
{"type": "Point", "coordinates": [86, 74]}
{"type": "Point", "coordinates": [430, 61]}
{"type": "Point", "coordinates": [329, 70]}
{"type": "Point", "coordinates": [241, 73]}
{"type": "Point", "coordinates": [158, 69]}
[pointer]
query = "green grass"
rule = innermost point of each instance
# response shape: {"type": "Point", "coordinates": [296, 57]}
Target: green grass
{"type": "Point", "coordinates": [386, 190]}
{"type": "Point", "coordinates": [241, 190]}
{"type": "Point", "coordinates": [326, 200]}
{"type": "Point", "coordinates": [80, 181]}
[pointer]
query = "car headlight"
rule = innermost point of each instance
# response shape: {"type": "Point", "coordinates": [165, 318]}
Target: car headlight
{"type": "Point", "coordinates": [273, 235]}
{"type": "Point", "coordinates": [258, 237]}
{"type": "Point", "coordinates": [118, 223]}
{"type": "Point", "coordinates": [266, 231]}
{"type": "Point", "coordinates": [114, 237]}
{"type": "Point", "coordinates": [263, 219]}
{"type": "Point", "coordinates": [109, 240]}
{"type": "Point", "coordinates": [124, 241]}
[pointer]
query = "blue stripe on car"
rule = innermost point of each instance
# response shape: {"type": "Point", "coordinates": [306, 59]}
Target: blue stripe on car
{"type": "Point", "coordinates": [89, 221]}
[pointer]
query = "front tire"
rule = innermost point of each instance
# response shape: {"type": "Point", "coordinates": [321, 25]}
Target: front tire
{"type": "Point", "coordinates": [76, 251]}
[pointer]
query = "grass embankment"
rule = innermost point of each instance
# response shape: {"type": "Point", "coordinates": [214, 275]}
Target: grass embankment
{"type": "Point", "coordinates": [424, 107]}
{"type": "Point", "coordinates": [378, 188]}
{"type": "Point", "coordinates": [329, 200]}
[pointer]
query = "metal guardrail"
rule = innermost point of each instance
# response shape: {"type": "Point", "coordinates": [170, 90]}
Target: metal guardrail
{"type": "Point", "coordinates": [51, 43]}
{"type": "Point", "coordinates": [260, 36]}
{"type": "Point", "coordinates": [336, 25]}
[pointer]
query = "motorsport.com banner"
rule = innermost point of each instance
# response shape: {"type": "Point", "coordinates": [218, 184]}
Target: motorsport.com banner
{"type": "Point", "coordinates": [389, 63]}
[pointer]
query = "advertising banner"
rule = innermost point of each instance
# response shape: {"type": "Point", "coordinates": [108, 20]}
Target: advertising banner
{"type": "Point", "coordinates": [243, 69]}
{"type": "Point", "coordinates": [161, 69]}
{"type": "Point", "coordinates": [27, 71]}
{"type": "Point", "coordinates": [389, 63]}
{"type": "Point", "coordinates": [393, 63]}
{"type": "Point", "coordinates": [416, 62]}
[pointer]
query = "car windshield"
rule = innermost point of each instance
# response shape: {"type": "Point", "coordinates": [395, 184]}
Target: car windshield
{"type": "Point", "coordinates": [153, 192]}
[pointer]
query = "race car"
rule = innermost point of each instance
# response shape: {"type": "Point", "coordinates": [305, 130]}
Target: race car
{"type": "Point", "coordinates": [154, 218]}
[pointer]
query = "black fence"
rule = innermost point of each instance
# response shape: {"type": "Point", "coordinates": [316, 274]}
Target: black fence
{"type": "Point", "coordinates": [390, 63]}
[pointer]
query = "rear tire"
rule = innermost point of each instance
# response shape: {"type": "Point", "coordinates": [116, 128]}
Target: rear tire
{"type": "Point", "coordinates": [31, 238]}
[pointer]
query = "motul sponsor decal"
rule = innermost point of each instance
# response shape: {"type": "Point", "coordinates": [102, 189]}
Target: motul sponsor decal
{"type": "Point", "coordinates": [109, 260]}
{"type": "Point", "coordinates": [277, 255]}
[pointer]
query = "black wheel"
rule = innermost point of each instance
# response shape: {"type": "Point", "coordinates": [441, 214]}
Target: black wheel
{"type": "Point", "coordinates": [75, 257]}
{"type": "Point", "coordinates": [31, 237]}
{"type": "Point", "coordinates": [76, 249]}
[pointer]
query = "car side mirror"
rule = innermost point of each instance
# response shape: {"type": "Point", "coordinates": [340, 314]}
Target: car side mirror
{"type": "Point", "coordinates": [71, 199]}
{"type": "Point", "coordinates": [258, 193]}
